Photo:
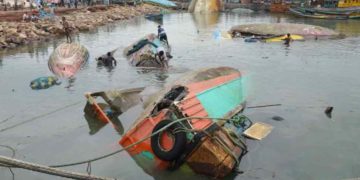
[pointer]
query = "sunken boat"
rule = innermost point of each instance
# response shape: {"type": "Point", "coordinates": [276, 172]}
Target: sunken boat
{"type": "Point", "coordinates": [67, 59]}
{"type": "Point", "coordinates": [195, 121]}
{"type": "Point", "coordinates": [143, 52]}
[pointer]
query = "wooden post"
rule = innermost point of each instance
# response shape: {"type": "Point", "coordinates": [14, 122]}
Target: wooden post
{"type": "Point", "coordinates": [48, 170]}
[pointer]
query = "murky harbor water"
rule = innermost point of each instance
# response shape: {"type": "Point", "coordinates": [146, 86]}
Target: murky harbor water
{"type": "Point", "coordinates": [305, 78]}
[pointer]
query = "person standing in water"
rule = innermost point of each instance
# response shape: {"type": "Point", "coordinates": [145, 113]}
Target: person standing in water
{"type": "Point", "coordinates": [162, 35]}
{"type": "Point", "coordinates": [108, 60]}
{"type": "Point", "coordinates": [67, 29]}
{"type": "Point", "coordinates": [288, 39]}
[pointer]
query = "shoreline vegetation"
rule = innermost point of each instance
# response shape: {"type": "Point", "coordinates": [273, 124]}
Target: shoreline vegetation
{"type": "Point", "coordinates": [17, 33]}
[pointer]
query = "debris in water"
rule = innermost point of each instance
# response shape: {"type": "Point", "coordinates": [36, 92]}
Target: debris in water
{"type": "Point", "coordinates": [277, 118]}
{"type": "Point", "coordinates": [44, 82]}
{"type": "Point", "coordinates": [328, 111]}
{"type": "Point", "coordinates": [258, 131]}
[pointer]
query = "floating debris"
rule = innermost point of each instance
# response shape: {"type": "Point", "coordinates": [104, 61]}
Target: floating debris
{"type": "Point", "coordinates": [277, 118]}
{"type": "Point", "coordinates": [44, 82]}
{"type": "Point", "coordinates": [258, 131]}
{"type": "Point", "coordinates": [328, 111]}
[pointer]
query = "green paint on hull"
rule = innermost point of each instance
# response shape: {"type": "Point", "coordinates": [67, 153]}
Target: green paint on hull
{"type": "Point", "coordinates": [222, 99]}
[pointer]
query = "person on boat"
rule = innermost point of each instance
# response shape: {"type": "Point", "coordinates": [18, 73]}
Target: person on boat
{"type": "Point", "coordinates": [288, 39]}
{"type": "Point", "coordinates": [107, 60]}
{"type": "Point", "coordinates": [162, 35]}
{"type": "Point", "coordinates": [67, 29]}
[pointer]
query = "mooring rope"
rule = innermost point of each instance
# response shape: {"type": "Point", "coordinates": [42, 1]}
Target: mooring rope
{"type": "Point", "coordinates": [40, 116]}
{"type": "Point", "coordinates": [136, 143]}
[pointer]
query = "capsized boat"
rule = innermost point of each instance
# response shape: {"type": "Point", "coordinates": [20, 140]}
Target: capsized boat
{"type": "Point", "coordinates": [67, 59]}
{"type": "Point", "coordinates": [205, 6]}
{"type": "Point", "coordinates": [181, 120]}
{"type": "Point", "coordinates": [280, 29]}
{"type": "Point", "coordinates": [142, 52]}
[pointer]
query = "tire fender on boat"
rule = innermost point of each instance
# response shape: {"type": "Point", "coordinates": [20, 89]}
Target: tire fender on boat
{"type": "Point", "coordinates": [179, 141]}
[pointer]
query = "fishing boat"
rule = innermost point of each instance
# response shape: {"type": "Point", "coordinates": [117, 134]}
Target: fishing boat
{"type": "Point", "coordinates": [143, 52]}
{"type": "Point", "coordinates": [195, 121]}
{"type": "Point", "coordinates": [67, 59]}
{"type": "Point", "coordinates": [330, 9]}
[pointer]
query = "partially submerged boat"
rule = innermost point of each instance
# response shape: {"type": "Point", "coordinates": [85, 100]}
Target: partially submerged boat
{"type": "Point", "coordinates": [330, 9]}
{"type": "Point", "coordinates": [280, 29]}
{"type": "Point", "coordinates": [143, 52]}
{"type": "Point", "coordinates": [67, 59]}
{"type": "Point", "coordinates": [322, 14]}
{"type": "Point", "coordinates": [195, 121]}
{"type": "Point", "coordinates": [205, 6]}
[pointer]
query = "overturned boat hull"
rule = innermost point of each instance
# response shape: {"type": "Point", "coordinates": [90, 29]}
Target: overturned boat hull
{"type": "Point", "coordinates": [198, 96]}
{"type": "Point", "coordinates": [279, 29]}
{"type": "Point", "coordinates": [205, 6]}
{"type": "Point", "coordinates": [67, 59]}
{"type": "Point", "coordinates": [143, 54]}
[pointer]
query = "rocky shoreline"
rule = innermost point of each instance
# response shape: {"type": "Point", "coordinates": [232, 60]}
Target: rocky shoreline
{"type": "Point", "coordinates": [15, 34]}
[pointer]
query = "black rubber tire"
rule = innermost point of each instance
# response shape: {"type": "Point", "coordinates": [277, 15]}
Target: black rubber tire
{"type": "Point", "coordinates": [179, 144]}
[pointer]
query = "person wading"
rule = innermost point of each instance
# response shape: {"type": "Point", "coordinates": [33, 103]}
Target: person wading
{"type": "Point", "coordinates": [161, 58]}
{"type": "Point", "coordinates": [162, 35]}
{"type": "Point", "coordinates": [288, 39]}
{"type": "Point", "coordinates": [107, 60]}
{"type": "Point", "coordinates": [67, 29]}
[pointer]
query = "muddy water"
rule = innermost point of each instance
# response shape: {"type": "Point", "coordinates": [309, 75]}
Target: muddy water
{"type": "Point", "coordinates": [49, 127]}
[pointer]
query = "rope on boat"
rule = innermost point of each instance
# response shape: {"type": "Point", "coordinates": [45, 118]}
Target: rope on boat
{"type": "Point", "coordinates": [40, 116]}
{"type": "Point", "coordinates": [138, 142]}
{"type": "Point", "coordinates": [48, 170]}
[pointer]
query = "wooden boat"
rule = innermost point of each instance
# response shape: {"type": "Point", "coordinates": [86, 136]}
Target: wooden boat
{"type": "Point", "coordinates": [279, 7]}
{"type": "Point", "coordinates": [205, 6]}
{"type": "Point", "coordinates": [142, 54]}
{"type": "Point", "coordinates": [331, 9]}
{"type": "Point", "coordinates": [312, 14]}
{"type": "Point", "coordinates": [208, 146]}
{"type": "Point", "coordinates": [67, 59]}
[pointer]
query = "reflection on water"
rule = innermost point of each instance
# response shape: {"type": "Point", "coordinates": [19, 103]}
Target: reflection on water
{"type": "Point", "coordinates": [305, 145]}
